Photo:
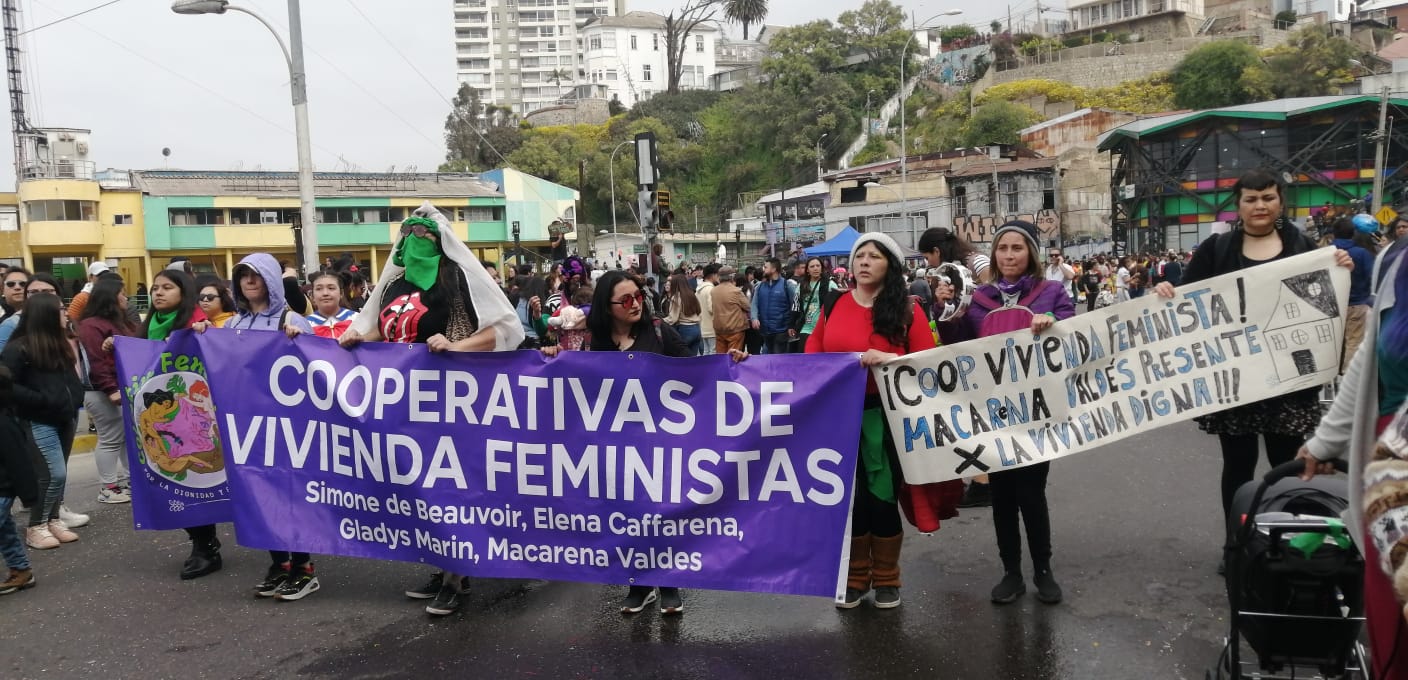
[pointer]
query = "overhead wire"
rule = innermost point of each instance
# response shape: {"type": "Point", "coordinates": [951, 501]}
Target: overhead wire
{"type": "Point", "coordinates": [71, 16]}
{"type": "Point", "coordinates": [215, 93]}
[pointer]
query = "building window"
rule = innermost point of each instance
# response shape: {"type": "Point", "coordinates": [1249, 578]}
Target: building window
{"type": "Point", "coordinates": [960, 201]}
{"type": "Point", "coordinates": [595, 42]}
{"type": "Point", "coordinates": [1008, 187]}
{"type": "Point", "coordinates": [698, 43]}
{"type": "Point", "coordinates": [61, 211]}
{"type": "Point", "coordinates": [633, 42]}
{"type": "Point", "coordinates": [261, 216]}
{"type": "Point", "coordinates": [485, 214]}
{"type": "Point", "coordinates": [1048, 193]}
{"type": "Point", "coordinates": [337, 215]}
{"type": "Point", "coordinates": [122, 219]}
{"type": "Point", "coordinates": [374, 214]}
{"type": "Point", "coordinates": [655, 41]}
{"type": "Point", "coordinates": [645, 73]}
{"type": "Point", "coordinates": [191, 217]}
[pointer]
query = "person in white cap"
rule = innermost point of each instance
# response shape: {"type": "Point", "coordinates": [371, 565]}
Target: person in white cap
{"type": "Point", "coordinates": [79, 301]}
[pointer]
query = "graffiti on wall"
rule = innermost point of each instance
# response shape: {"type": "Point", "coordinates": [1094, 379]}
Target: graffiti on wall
{"type": "Point", "coordinates": [979, 228]}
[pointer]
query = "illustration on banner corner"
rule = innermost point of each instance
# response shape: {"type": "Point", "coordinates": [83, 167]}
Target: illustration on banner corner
{"type": "Point", "coordinates": [176, 437]}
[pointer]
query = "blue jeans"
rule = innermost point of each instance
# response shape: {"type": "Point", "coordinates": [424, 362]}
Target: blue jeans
{"type": "Point", "coordinates": [11, 546]}
{"type": "Point", "coordinates": [693, 338]}
{"type": "Point", "coordinates": [54, 444]}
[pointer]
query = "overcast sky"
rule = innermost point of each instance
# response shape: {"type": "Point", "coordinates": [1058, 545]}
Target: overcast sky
{"type": "Point", "coordinates": [214, 89]}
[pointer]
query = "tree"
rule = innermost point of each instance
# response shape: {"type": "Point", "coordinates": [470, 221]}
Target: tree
{"type": "Point", "coordinates": [1211, 76]}
{"type": "Point", "coordinates": [877, 29]}
{"type": "Point", "coordinates": [949, 34]}
{"type": "Point", "coordinates": [799, 55]}
{"type": "Point", "coordinates": [998, 123]}
{"type": "Point", "coordinates": [677, 30]}
{"type": "Point", "coordinates": [745, 12]}
{"type": "Point", "coordinates": [477, 137]}
{"type": "Point", "coordinates": [1312, 62]}
{"type": "Point", "coordinates": [1285, 18]}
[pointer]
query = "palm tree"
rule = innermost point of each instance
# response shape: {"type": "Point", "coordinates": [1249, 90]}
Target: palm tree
{"type": "Point", "coordinates": [745, 12]}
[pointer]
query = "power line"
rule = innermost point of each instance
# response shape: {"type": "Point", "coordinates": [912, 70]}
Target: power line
{"type": "Point", "coordinates": [192, 81]}
{"type": "Point", "coordinates": [71, 16]}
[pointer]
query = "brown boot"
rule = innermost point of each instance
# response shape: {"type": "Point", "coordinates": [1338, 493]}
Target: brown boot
{"type": "Point", "coordinates": [19, 580]}
{"type": "Point", "coordinates": [858, 579]}
{"type": "Point", "coordinates": [886, 570]}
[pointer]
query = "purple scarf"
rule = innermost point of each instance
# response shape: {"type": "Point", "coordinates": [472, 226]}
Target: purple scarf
{"type": "Point", "coordinates": [1016, 288]}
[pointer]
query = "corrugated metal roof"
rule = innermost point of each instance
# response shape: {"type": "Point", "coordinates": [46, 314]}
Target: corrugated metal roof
{"type": "Point", "coordinates": [813, 189]}
{"type": "Point", "coordinates": [1276, 109]}
{"type": "Point", "coordinates": [980, 165]}
{"type": "Point", "coordinates": [326, 184]}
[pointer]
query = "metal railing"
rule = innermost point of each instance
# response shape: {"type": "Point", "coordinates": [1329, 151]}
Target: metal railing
{"type": "Point", "coordinates": [60, 170]}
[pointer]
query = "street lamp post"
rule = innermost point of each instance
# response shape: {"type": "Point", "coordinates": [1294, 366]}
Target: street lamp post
{"type": "Point", "coordinates": [818, 155]}
{"type": "Point", "coordinates": [298, 84]}
{"type": "Point", "coordinates": [611, 177]}
{"type": "Point", "coordinates": [904, 146]}
{"type": "Point", "coordinates": [996, 193]}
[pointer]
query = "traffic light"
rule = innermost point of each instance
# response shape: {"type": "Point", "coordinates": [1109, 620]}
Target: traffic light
{"type": "Point", "coordinates": [664, 217]}
{"type": "Point", "coordinates": [648, 212]}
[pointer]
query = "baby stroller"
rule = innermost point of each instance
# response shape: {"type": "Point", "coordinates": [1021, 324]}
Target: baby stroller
{"type": "Point", "coordinates": [1295, 580]}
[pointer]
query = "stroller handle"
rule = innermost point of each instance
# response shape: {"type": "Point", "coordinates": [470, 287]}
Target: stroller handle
{"type": "Point", "coordinates": [1292, 468]}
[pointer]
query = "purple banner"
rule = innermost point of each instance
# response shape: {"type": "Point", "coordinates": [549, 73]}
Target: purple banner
{"type": "Point", "coordinates": [600, 467]}
{"type": "Point", "coordinates": [173, 446]}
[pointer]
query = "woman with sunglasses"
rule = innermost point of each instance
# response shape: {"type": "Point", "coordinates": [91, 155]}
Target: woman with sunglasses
{"type": "Point", "coordinates": [48, 394]}
{"type": "Point", "coordinates": [618, 323]}
{"type": "Point", "coordinates": [215, 300]}
{"type": "Point", "coordinates": [435, 291]}
{"type": "Point", "coordinates": [41, 284]}
{"type": "Point", "coordinates": [105, 317]}
{"type": "Point", "coordinates": [12, 298]}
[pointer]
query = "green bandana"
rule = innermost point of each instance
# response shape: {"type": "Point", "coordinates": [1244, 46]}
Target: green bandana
{"type": "Point", "coordinates": [160, 325]}
{"type": "Point", "coordinates": [420, 256]}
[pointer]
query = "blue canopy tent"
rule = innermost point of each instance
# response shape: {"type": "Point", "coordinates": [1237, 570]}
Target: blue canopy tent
{"type": "Point", "coordinates": [840, 244]}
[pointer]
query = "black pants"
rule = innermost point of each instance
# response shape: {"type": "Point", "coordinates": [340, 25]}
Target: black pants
{"type": "Point", "coordinates": [1239, 459]}
{"type": "Point", "coordinates": [202, 535]}
{"type": "Point", "coordinates": [1090, 300]}
{"type": "Point", "coordinates": [1021, 491]}
{"type": "Point", "coordinates": [776, 343]}
{"type": "Point", "coordinates": [297, 559]}
{"type": "Point", "coordinates": [871, 515]}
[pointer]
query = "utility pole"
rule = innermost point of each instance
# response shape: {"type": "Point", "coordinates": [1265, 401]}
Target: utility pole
{"type": "Point", "coordinates": [1380, 152]}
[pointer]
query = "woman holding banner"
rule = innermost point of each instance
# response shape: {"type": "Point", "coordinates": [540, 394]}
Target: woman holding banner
{"type": "Point", "coordinates": [1260, 234]}
{"type": "Point", "coordinates": [879, 321]}
{"type": "Point", "coordinates": [434, 291]}
{"type": "Point", "coordinates": [617, 323]}
{"type": "Point", "coordinates": [1019, 298]}
{"type": "Point", "coordinates": [173, 308]}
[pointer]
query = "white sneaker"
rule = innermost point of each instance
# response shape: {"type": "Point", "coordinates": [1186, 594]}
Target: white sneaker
{"type": "Point", "coordinates": [72, 519]}
{"type": "Point", "coordinates": [39, 538]}
{"type": "Point", "coordinates": [113, 495]}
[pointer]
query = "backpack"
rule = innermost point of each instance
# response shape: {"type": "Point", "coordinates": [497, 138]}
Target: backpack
{"type": "Point", "coordinates": [1005, 318]}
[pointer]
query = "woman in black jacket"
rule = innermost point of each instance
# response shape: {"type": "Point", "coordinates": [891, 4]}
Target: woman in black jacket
{"type": "Point", "coordinates": [48, 394]}
{"type": "Point", "coordinates": [16, 481]}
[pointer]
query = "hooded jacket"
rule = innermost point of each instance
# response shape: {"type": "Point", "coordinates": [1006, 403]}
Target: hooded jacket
{"type": "Point", "coordinates": [277, 314]}
{"type": "Point", "coordinates": [491, 306]}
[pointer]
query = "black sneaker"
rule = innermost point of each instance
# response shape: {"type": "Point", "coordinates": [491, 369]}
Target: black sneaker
{"type": "Point", "coordinates": [275, 578]}
{"type": "Point", "coordinates": [853, 598]}
{"type": "Point", "coordinates": [671, 601]}
{"type": "Point", "coordinates": [297, 587]}
{"type": "Point", "coordinates": [430, 589]}
{"type": "Point", "coordinates": [446, 602]}
{"type": "Point", "coordinates": [1046, 588]}
{"type": "Point", "coordinates": [976, 496]}
{"type": "Point", "coordinates": [637, 599]}
{"type": "Point", "coordinates": [887, 597]}
{"type": "Point", "coordinates": [1011, 588]}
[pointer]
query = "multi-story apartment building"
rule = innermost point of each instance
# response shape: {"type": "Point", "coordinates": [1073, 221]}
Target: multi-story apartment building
{"type": "Point", "coordinates": [1152, 19]}
{"type": "Point", "coordinates": [523, 53]}
{"type": "Point", "coordinates": [628, 54]}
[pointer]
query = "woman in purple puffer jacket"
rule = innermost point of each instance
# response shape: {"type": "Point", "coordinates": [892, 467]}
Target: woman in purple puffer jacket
{"type": "Point", "coordinates": [1019, 494]}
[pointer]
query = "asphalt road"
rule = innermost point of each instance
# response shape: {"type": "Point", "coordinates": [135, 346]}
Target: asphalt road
{"type": "Point", "coordinates": [1136, 544]}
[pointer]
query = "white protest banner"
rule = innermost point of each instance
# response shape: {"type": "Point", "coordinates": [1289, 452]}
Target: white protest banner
{"type": "Point", "coordinates": [1011, 400]}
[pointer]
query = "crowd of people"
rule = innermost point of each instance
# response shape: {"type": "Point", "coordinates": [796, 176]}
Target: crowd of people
{"type": "Point", "coordinates": [57, 359]}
